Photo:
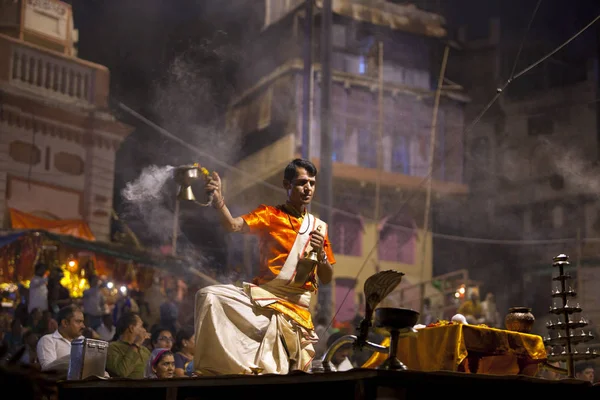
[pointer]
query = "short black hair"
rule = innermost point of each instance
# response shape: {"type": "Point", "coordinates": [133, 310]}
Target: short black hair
{"type": "Point", "coordinates": [125, 321]}
{"type": "Point", "coordinates": [185, 333]}
{"type": "Point", "coordinates": [290, 171]}
{"type": "Point", "coordinates": [66, 313]}
{"type": "Point", "coordinates": [580, 367]}
{"type": "Point", "coordinates": [40, 268]}
{"type": "Point", "coordinates": [156, 331]}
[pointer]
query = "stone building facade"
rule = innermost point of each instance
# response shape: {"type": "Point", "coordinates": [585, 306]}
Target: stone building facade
{"type": "Point", "coordinates": [57, 137]}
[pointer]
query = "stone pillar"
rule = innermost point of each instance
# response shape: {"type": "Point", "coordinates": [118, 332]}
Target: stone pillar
{"type": "Point", "coordinates": [4, 161]}
{"type": "Point", "coordinates": [527, 223]}
{"type": "Point", "coordinates": [99, 180]}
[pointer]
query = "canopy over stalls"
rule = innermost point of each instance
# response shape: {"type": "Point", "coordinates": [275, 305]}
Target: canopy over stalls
{"type": "Point", "coordinates": [73, 227]}
{"type": "Point", "coordinates": [19, 250]}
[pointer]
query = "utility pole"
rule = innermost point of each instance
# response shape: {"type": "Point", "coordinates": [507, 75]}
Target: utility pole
{"type": "Point", "coordinates": [308, 79]}
{"type": "Point", "coordinates": [379, 56]}
{"type": "Point", "coordinates": [326, 163]}
{"type": "Point", "coordinates": [597, 77]}
{"type": "Point", "coordinates": [432, 140]}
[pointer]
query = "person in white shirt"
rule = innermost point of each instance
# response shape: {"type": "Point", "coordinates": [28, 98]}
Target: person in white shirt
{"type": "Point", "coordinates": [54, 349]}
{"type": "Point", "coordinates": [38, 289]}
{"type": "Point", "coordinates": [490, 311]}
{"type": "Point", "coordinates": [94, 303]}
{"type": "Point", "coordinates": [107, 329]}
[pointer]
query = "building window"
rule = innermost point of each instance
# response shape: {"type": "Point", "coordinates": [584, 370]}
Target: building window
{"type": "Point", "coordinates": [557, 217]}
{"type": "Point", "coordinates": [277, 9]}
{"type": "Point", "coordinates": [346, 235]}
{"type": "Point", "coordinates": [338, 34]}
{"type": "Point", "coordinates": [419, 156]}
{"type": "Point", "coordinates": [400, 155]}
{"type": "Point", "coordinates": [480, 154]}
{"type": "Point", "coordinates": [25, 153]}
{"type": "Point", "coordinates": [398, 242]}
{"type": "Point", "coordinates": [367, 149]}
{"type": "Point", "coordinates": [345, 301]}
{"type": "Point", "coordinates": [362, 65]}
{"type": "Point", "coordinates": [540, 125]}
{"type": "Point", "coordinates": [68, 163]}
{"type": "Point", "coordinates": [338, 144]}
{"type": "Point", "coordinates": [541, 218]}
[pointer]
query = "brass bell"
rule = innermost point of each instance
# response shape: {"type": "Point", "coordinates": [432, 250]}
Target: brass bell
{"type": "Point", "coordinates": [312, 255]}
{"type": "Point", "coordinates": [185, 193]}
{"type": "Point", "coordinates": [184, 176]}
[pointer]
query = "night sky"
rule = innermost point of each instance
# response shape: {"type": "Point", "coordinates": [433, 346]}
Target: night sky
{"type": "Point", "coordinates": [176, 62]}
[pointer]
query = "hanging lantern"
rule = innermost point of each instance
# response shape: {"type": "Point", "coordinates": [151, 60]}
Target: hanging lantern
{"type": "Point", "coordinates": [74, 279]}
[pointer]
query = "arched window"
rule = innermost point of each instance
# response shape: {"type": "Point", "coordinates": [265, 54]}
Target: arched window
{"type": "Point", "coordinates": [345, 299]}
{"type": "Point", "coordinates": [398, 241]}
{"type": "Point", "coordinates": [346, 235]}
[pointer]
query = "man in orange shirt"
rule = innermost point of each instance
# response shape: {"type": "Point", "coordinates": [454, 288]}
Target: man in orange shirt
{"type": "Point", "coordinates": [266, 325]}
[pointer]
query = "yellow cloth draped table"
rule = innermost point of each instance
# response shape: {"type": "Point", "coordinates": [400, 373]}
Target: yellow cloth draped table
{"type": "Point", "coordinates": [468, 348]}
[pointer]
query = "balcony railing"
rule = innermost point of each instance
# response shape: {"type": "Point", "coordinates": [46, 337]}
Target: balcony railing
{"type": "Point", "coordinates": [54, 75]}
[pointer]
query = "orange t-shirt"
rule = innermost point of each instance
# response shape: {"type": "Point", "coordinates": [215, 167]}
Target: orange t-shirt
{"type": "Point", "coordinates": [277, 231]}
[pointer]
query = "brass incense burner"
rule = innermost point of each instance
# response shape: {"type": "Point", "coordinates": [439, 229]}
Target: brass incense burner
{"type": "Point", "coordinates": [184, 176]}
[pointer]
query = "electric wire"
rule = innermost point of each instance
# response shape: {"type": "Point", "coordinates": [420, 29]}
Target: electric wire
{"type": "Point", "coordinates": [523, 39]}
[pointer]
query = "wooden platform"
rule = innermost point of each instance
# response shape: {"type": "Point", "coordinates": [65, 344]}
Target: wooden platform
{"type": "Point", "coordinates": [355, 384]}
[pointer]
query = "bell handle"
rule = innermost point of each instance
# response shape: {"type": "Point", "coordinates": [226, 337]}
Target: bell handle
{"type": "Point", "coordinates": [209, 202]}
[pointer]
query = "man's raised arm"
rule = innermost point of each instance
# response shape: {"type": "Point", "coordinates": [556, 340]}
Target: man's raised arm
{"type": "Point", "coordinates": [228, 222]}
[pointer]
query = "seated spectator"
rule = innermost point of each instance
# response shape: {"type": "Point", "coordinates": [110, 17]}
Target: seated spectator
{"type": "Point", "coordinates": [29, 357]}
{"type": "Point", "coordinates": [161, 338]}
{"type": "Point", "coordinates": [169, 311]}
{"type": "Point", "coordinates": [34, 321]}
{"type": "Point", "coordinates": [127, 357]}
{"type": "Point", "coordinates": [54, 349]}
{"type": "Point", "coordinates": [107, 329]}
{"type": "Point", "coordinates": [185, 345]}
{"type": "Point", "coordinates": [585, 372]}
{"type": "Point", "coordinates": [47, 324]}
{"type": "Point", "coordinates": [161, 364]}
{"type": "Point", "coordinates": [13, 339]}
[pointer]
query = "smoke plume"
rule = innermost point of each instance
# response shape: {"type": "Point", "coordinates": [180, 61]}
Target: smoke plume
{"type": "Point", "coordinates": [145, 202]}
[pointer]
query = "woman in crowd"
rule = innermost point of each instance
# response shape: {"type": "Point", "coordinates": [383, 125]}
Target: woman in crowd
{"type": "Point", "coordinates": [161, 338]}
{"type": "Point", "coordinates": [47, 323]}
{"type": "Point", "coordinates": [34, 322]}
{"type": "Point", "coordinates": [13, 340]}
{"type": "Point", "coordinates": [29, 357]}
{"type": "Point", "coordinates": [161, 364]}
{"type": "Point", "coordinates": [185, 345]}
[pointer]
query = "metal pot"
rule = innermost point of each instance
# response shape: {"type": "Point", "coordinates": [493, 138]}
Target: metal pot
{"type": "Point", "coordinates": [519, 319]}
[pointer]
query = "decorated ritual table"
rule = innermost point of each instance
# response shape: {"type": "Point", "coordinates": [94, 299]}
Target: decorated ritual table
{"type": "Point", "coordinates": [468, 348]}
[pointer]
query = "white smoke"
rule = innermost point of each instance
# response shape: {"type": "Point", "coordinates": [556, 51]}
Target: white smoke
{"type": "Point", "coordinates": [149, 185]}
{"type": "Point", "coordinates": [145, 202]}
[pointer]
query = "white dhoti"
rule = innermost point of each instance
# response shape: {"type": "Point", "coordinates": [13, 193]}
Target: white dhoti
{"type": "Point", "coordinates": [235, 335]}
